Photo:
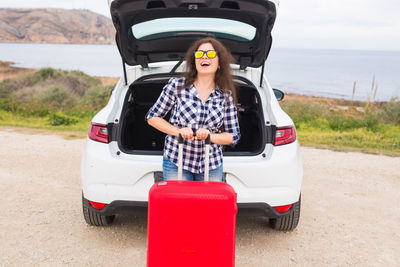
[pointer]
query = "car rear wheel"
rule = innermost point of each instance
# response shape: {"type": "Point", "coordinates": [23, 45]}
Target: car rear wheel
{"type": "Point", "coordinates": [289, 221]}
{"type": "Point", "coordinates": [92, 217]}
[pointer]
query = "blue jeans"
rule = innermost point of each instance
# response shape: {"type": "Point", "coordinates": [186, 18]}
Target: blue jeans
{"type": "Point", "coordinates": [170, 172]}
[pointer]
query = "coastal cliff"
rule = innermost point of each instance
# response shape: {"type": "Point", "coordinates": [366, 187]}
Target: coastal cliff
{"type": "Point", "coordinates": [55, 25]}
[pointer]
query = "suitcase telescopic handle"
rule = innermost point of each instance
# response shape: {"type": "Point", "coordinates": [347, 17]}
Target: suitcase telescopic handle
{"type": "Point", "coordinates": [206, 157]}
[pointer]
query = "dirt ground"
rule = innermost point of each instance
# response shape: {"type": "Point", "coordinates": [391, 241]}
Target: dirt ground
{"type": "Point", "coordinates": [350, 213]}
{"type": "Point", "coordinates": [8, 71]}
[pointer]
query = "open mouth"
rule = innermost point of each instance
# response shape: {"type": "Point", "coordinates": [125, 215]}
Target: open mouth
{"type": "Point", "coordinates": [205, 64]}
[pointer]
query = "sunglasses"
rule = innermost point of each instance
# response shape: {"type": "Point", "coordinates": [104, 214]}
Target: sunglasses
{"type": "Point", "coordinates": [210, 53]}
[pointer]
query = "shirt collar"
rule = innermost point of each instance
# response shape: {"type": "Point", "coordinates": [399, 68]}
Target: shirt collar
{"type": "Point", "coordinates": [217, 89]}
{"type": "Point", "coordinates": [192, 89]}
{"type": "Point", "coordinates": [217, 92]}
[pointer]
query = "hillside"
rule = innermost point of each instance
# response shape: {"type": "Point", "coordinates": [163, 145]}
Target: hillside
{"type": "Point", "coordinates": [54, 25]}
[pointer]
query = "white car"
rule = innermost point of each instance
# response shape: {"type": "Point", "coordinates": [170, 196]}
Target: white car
{"type": "Point", "coordinates": [123, 155]}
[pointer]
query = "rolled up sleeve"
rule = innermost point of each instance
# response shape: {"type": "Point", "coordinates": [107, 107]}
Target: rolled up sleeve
{"type": "Point", "coordinates": [231, 122]}
{"type": "Point", "coordinates": [165, 101]}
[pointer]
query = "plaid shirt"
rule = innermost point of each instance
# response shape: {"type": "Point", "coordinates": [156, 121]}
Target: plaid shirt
{"type": "Point", "coordinates": [189, 111]}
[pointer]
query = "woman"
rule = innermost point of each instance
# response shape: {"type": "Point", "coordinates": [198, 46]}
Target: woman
{"type": "Point", "coordinates": [202, 103]}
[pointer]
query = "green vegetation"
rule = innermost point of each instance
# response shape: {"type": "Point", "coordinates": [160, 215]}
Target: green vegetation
{"type": "Point", "coordinates": [67, 100]}
{"type": "Point", "coordinates": [372, 128]}
{"type": "Point", "coordinates": [52, 99]}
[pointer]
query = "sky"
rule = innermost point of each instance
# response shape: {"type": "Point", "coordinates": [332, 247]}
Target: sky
{"type": "Point", "coordinates": [339, 24]}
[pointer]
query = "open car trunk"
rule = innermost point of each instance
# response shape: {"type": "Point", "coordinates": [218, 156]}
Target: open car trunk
{"type": "Point", "coordinates": [136, 136]}
{"type": "Point", "coordinates": [162, 30]}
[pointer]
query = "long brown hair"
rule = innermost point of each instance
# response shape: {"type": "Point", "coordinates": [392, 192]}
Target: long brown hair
{"type": "Point", "coordinates": [223, 76]}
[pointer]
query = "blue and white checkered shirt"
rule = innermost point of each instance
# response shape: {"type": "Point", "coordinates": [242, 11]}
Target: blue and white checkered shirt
{"type": "Point", "coordinates": [189, 111]}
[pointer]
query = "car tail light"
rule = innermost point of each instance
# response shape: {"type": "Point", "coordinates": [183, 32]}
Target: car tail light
{"type": "Point", "coordinates": [285, 135]}
{"type": "Point", "coordinates": [98, 132]}
{"type": "Point", "coordinates": [283, 209]}
{"type": "Point", "coordinates": [97, 205]}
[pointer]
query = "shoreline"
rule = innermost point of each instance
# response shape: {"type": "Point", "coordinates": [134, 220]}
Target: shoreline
{"type": "Point", "coordinates": [7, 70]}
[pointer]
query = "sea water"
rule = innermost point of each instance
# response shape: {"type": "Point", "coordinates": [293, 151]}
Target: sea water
{"type": "Point", "coordinates": [315, 72]}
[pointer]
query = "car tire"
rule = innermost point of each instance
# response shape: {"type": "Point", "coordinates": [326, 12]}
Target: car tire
{"type": "Point", "coordinates": [92, 217]}
{"type": "Point", "coordinates": [289, 221]}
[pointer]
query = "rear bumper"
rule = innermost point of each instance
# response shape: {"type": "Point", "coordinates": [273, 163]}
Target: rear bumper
{"type": "Point", "coordinates": [273, 178]}
{"type": "Point", "coordinates": [139, 208]}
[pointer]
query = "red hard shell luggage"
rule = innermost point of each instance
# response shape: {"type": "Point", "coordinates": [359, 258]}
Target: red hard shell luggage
{"type": "Point", "coordinates": [191, 224]}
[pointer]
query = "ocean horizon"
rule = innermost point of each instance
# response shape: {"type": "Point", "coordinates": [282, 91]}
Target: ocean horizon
{"type": "Point", "coordinates": [314, 72]}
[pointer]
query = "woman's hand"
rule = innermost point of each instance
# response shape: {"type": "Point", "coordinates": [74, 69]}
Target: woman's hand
{"type": "Point", "coordinates": [187, 133]}
{"type": "Point", "coordinates": [202, 134]}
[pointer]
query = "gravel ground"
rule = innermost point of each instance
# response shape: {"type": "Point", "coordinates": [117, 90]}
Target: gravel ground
{"type": "Point", "coordinates": [349, 212]}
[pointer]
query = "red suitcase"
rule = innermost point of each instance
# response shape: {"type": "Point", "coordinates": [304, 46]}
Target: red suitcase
{"type": "Point", "coordinates": [191, 223]}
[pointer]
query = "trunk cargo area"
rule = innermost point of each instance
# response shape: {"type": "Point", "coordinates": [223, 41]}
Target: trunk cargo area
{"type": "Point", "coordinates": [137, 137]}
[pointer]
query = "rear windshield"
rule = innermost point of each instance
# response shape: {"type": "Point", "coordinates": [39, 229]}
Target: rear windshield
{"type": "Point", "coordinates": [168, 27]}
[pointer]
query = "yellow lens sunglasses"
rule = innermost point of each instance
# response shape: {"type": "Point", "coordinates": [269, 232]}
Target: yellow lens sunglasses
{"type": "Point", "coordinates": [210, 53]}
